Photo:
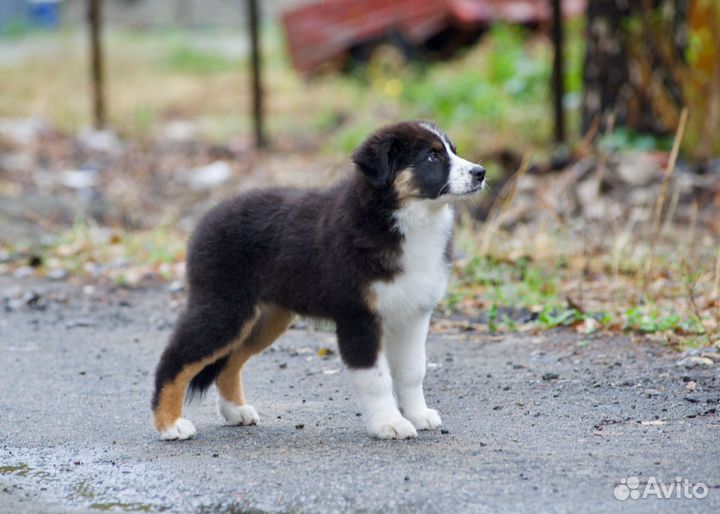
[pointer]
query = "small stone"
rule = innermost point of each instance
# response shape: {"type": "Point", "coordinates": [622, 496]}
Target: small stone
{"type": "Point", "coordinates": [176, 286]}
{"type": "Point", "coordinates": [99, 140]}
{"type": "Point", "coordinates": [79, 179]}
{"type": "Point", "coordinates": [691, 352]}
{"type": "Point", "coordinates": [300, 426]}
{"type": "Point", "coordinates": [22, 131]}
{"type": "Point", "coordinates": [207, 177]}
{"type": "Point", "coordinates": [178, 131]}
{"type": "Point", "coordinates": [57, 274]}
{"type": "Point", "coordinates": [24, 272]}
{"type": "Point", "coordinates": [693, 362]}
{"type": "Point", "coordinates": [30, 298]}
{"type": "Point", "coordinates": [715, 357]}
{"type": "Point", "coordinates": [444, 431]}
{"type": "Point", "coordinates": [550, 376]}
{"type": "Point", "coordinates": [75, 323]}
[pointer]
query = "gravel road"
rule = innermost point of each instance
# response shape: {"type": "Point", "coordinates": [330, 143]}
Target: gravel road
{"type": "Point", "coordinates": [539, 423]}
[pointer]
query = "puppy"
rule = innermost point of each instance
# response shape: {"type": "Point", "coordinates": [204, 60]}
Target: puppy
{"type": "Point", "coordinates": [371, 254]}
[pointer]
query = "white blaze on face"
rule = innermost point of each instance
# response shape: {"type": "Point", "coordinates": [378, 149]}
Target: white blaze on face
{"type": "Point", "coordinates": [460, 181]}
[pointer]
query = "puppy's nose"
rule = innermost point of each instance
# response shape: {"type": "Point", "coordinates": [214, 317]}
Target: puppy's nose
{"type": "Point", "coordinates": [478, 172]}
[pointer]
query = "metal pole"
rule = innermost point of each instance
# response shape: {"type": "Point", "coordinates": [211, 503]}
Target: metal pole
{"type": "Point", "coordinates": [558, 82]}
{"type": "Point", "coordinates": [96, 63]}
{"type": "Point", "coordinates": [257, 97]}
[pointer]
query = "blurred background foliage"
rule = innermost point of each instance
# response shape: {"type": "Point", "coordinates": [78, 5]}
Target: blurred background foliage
{"type": "Point", "coordinates": [606, 231]}
{"type": "Point", "coordinates": [489, 96]}
{"type": "Point", "coordinates": [492, 94]}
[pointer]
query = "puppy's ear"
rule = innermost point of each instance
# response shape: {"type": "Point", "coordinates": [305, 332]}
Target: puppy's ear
{"type": "Point", "coordinates": [373, 158]}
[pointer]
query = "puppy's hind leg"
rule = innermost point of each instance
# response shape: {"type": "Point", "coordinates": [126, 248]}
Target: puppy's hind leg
{"type": "Point", "coordinates": [273, 321]}
{"type": "Point", "coordinates": [203, 335]}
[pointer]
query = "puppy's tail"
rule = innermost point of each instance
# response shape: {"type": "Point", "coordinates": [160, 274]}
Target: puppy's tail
{"type": "Point", "coordinates": [203, 380]}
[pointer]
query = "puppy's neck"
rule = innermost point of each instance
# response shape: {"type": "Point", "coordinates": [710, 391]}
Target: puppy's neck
{"type": "Point", "coordinates": [424, 215]}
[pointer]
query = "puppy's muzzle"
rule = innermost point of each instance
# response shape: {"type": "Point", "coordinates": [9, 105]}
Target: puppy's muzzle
{"type": "Point", "coordinates": [477, 173]}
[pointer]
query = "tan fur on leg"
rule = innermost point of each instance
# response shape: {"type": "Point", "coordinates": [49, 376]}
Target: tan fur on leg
{"type": "Point", "coordinates": [172, 395]}
{"type": "Point", "coordinates": [273, 321]}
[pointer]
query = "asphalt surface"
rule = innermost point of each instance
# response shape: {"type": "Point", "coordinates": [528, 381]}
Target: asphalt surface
{"type": "Point", "coordinates": [537, 423]}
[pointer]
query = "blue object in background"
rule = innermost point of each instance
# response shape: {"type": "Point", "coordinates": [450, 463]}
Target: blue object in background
{"type": "Point", "coordinates": [44, 13]}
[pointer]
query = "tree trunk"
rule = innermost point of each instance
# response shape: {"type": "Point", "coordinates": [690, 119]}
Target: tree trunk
{"type": "Point", "coordinates": [96, 63]}
{"type": "Point", "coordinates": [634, 63]}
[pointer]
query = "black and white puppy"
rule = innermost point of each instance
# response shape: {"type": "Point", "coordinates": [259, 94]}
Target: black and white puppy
{"type": "Point", "coordinates": [371, 254]}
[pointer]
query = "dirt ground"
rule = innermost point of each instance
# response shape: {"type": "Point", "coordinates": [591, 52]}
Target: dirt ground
{"type": "Point", "coordinates": [553, 422]}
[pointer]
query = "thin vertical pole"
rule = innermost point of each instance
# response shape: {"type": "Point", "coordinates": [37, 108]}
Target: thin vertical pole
{"type": "Point", "coordinates": [257, 96]}
{"type": "Point", "coordinates": [96, 63]}
{"type": "Point", "coordinates": [558, 82]}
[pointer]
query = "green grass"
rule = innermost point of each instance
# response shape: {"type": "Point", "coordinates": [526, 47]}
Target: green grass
{"type": "Point", "coordinates": [87, 250]}
{"type": "Point", "coordinates": [495, 95]}
{"type": "Point", "coordinates": [492, 95]}
{"type": "Point", "coordinates": [540, 278]}
{"type": "Point", "coordinates": [539, 287]}
{"type": "Point", "coordinates": [185, 59]}
{"type": "Point", "coordinates": [15, 29]}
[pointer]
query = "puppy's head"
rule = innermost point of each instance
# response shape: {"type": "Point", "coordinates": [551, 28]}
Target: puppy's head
{"type": "Point", "coordinates": [418, 161]}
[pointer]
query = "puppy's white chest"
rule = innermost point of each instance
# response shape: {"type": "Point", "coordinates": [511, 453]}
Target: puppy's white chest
{"type": "Point", "coordinates": [425, 270]}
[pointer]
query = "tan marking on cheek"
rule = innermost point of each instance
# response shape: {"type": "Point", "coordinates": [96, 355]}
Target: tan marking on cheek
{"type": "Point", "coordinates": [272, 323]}
{"type": "Point", "coordinates": [172, 394]}
{"type": "Point", "coordinates": [405, 185]}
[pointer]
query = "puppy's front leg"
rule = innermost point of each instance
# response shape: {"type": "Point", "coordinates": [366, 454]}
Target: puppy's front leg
{"type": "Point", "coordinates": [370, 378]}
{"type": "Point", "coordinates": [374, 389]}
{"type": "Point", "coordinates": [405, 347]}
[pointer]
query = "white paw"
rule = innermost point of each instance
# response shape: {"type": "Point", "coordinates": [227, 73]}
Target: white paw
{"type": "Point", "coordinates": [237, 414]}
{"type": "Point", "coordinates": [427, 419]}
{"type": "Point", "coordinates": [397, 428]}
{"type": "Point", "coordinates": [181, 429]}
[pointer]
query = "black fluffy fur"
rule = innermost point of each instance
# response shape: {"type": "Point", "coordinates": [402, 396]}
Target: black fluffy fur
{"type": "Point", "coordinates": [312, 252]}
{"type": "Point", "coordinates": [201, 382]}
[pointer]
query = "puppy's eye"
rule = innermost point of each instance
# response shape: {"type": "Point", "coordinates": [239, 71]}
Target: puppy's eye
{"type": "Point", "coordinates": [433, 157]}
